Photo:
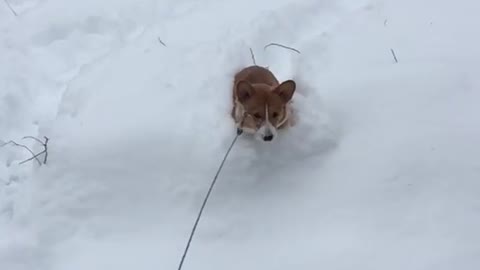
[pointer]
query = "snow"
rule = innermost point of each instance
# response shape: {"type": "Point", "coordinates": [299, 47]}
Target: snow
{"type": "Point", "coordinates": [381, 172]}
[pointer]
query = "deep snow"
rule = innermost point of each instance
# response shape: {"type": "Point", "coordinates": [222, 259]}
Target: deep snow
{"type": "Point", "coordinates": [381, 172]}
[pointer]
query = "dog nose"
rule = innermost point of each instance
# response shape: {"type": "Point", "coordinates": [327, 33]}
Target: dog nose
{"type": "Point", "coordinates": [268, 138]}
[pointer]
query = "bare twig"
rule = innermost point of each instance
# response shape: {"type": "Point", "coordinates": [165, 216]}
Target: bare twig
{"type": "Point", "coordinates": [283, 46]}
{"type": "Point", "coordinates": [45, 148]}
{"type": "Point", "coordinates": [33, 138]}
{"type": "Point", "coordinates": [45, 145]}
{"type": "Point", "coordinates": [394, 56]}
{"type": "Point", "coordinates": [253, 57]}
{"type": "Point", "coordinates": [34, 156]}
{"type": "Point", "coordinates": [161, 42]}
{"type": "Point", "coordinates": [11, 8]}
{"type": "Point", "coordinates": [23, 146]}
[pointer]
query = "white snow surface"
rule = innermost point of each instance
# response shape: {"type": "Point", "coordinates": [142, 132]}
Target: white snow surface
{"type": "Point", "coordinates": [382, 171]}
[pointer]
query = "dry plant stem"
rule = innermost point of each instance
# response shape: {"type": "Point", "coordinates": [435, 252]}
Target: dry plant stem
{"type": "Point", "coordinates": [283, 46]}
{"type": "Point", "coordinates": [34, 157]}
{"type": "Point", "coordinates": [161, 42]}
{"type": "Point", "coordinates": [45, 148]}
{"type": "Point", "coordinates": [11, 8]}
{"type": "Point", "coordinates": [394, 56]}
{"type": "Point", "coordinates": [26, 147]}
{"type": "Point", "coordinates": [253, 57]}
{"type": "Point", "coordinates": [33, 138]}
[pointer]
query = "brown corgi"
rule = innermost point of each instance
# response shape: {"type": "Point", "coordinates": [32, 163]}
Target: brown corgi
{"type": "Point", "coordinates": [261, 105]}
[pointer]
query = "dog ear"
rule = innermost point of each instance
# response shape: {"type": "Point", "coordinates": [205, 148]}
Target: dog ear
{"type": "Point", "coordinates": [285, 90]}
{"type": "Point", "coordinates": [244, 91]}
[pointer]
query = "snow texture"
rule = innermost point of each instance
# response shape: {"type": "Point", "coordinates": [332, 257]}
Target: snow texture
{"type": "Point", "coordinates": [382, 170]}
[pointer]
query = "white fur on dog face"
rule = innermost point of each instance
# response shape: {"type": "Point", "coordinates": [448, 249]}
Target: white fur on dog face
{"type": "Point", "coordinates": [262, 129]}
{"type": "Point", "coordinates": [266, 129]}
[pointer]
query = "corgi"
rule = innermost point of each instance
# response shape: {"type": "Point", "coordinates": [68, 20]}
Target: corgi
{"type": "Point", "coordinates": [261, 105]}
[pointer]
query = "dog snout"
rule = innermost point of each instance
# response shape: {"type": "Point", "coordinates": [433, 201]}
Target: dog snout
{"type": "Point", "coordinates": [268, 138]}
{"type": "Point", "coordinates": [266, 132]}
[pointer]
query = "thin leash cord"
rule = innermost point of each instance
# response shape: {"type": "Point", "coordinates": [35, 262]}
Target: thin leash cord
{"type": "Point", "coordinates": [239, 132]}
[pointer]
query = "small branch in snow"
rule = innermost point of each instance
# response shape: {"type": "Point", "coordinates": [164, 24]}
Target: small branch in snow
{"type": "Point", "coordinates": [33, 138]}
{"type": "Point", "coordinates": [34, 156]}
{"type": "Point", "coordinates": [394, 56]}
{"type": "Point", "coordinates": [283, 46]}
{"type": "Point", "coordinates": [11, 8]}
{"type": "Point", "coordinates": [161, 42]}
{"type": "Point", "coordinates": [26, 147]}
{"type": "Point", "coordinates": [253, 57]}
{"type": "Point", "coordinates": [45, 149]}
{"type": "Point", "coordinates": [45, 146]}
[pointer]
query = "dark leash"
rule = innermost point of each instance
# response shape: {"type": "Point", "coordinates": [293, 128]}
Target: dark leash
{"type": "Point", "coordinates": [239, 132]}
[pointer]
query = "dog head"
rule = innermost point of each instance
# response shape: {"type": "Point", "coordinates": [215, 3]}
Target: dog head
{"type": "Point", "coordinates": [264, 107]}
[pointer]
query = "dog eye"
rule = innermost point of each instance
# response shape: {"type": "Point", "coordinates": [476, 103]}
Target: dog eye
{"type": "Point", "coordinates": [275, 115]}
{"type": "Point", "coordinates": [257, 115]}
